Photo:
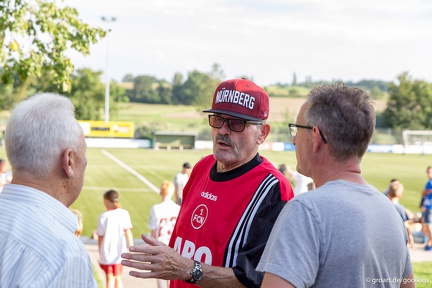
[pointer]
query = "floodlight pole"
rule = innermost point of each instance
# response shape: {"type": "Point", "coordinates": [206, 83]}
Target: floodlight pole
{"type": "Point", "coordinates": [107, 74]}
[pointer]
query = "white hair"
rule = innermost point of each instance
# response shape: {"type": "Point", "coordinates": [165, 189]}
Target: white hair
{"type": "Point", "coordinates": [39, 130]}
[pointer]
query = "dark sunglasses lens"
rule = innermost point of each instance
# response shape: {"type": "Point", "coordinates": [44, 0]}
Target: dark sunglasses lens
{"type": "Point", "coordinates": [215, 121]}
{"type": "Point", "coordinates": [237, 125]}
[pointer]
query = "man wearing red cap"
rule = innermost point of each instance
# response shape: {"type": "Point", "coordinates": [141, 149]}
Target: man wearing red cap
{"type": "Point", "coordinates": [230, 202]}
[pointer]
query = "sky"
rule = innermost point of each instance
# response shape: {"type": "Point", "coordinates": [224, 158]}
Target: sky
{"type": "Point", "coordinates": [266, 40]}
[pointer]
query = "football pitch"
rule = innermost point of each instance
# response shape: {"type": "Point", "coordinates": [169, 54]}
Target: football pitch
{"type": "Point", "coordinates": [138, 173]}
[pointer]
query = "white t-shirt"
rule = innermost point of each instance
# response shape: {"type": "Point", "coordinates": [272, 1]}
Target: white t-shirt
{"type": "Point", "coordinates": [180, 181]}
{"type": "Point", "coordinates": [163, 217]}
{"type": "Point", "coordinates": [301, 183]}
{"type": "Point", "coordinates": [112, 225]}
{"type": "Point", "coordinates": [5, 178]}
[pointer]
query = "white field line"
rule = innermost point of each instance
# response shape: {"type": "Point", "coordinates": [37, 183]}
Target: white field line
{"type": "Point", "coordinates": [139, 176]}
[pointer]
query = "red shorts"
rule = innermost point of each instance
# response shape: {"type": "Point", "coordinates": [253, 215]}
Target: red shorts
{"type": "Point", "coordinates": [115, 269]}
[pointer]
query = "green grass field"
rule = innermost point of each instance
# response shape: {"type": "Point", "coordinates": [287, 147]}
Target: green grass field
{"type": "Point", "coordinates": [422, 272]}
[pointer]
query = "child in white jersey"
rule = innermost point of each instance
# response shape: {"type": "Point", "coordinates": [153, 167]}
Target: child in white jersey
{"type": "Point", "coordinates": [114, 233]}
{"type": "Point", "coordinates": [163, 217]}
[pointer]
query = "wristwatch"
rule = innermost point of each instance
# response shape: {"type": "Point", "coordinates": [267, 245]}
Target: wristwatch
{"type": "Point", "coordinates": [196, 273]}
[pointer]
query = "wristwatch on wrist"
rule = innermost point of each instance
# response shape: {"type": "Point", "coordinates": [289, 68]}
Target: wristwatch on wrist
{"type": "Point", "coordinates": [196, 273]}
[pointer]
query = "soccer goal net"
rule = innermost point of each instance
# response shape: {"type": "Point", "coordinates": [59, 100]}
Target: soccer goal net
{"type": "Point", "coordinates": [419, 141]}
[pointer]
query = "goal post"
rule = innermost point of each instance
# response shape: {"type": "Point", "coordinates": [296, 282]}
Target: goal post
{"type": "Point", "coordinates": [417, 141]}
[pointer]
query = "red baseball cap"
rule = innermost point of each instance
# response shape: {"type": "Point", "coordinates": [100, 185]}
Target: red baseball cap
{"type": "Point", "coordinates": [240, 98]}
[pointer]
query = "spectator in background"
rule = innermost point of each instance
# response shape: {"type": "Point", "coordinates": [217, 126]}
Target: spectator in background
{"type": "Point", "coordinates": [345, 231]}
{"type": "Point", "coordinates": [283, 169]}
{"type": "Point", "coordinates": [394, 193]}
{"type": "Point", "coordinates": [393, 180]}
{"type": "Point", "coordinates": [311, 186]}
{"type": "Point", "coordinates": [5, 176]}
{"type": "Point", "coordinates": [180, 181]}
{"type": "Point", "coordinates": [114, 237]}
{"type": "Point", "coordinates": [426, 208]}
{"type": "Point", "coordinates": [46, 148]}
{"type": "Point", "coordinates": [163, 217]}
{"type": "Point", "coordinates": [80, 225]}
{"type": "Point", "coordinates": [231, 201]}
{"type": "Point", "coordinates": [300, 181]}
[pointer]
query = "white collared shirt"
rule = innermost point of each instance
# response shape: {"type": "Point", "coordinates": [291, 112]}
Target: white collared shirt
{"type": "Point", "coordinates": [38, 247]}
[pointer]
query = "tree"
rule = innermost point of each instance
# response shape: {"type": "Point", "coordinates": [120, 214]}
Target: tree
{"type": "Point", "coordinates": [199, 87]}
{"type": "Point", "coordinates": [145, 90]}
{"type": "Point", "coordinates": [34, 36]}
{"type": "Point", "coordinates": [88, 94]}
{"type": "Point", "coordinates": [128, 78]}
{"type": "Point", "coordinates": [177, 84]}
{"type": "Point", "coordinates": [409, 104]}
{"type": "Point", "coordinates": [118, 93]}
{"type": "Point", "coordinates": [165, 92]}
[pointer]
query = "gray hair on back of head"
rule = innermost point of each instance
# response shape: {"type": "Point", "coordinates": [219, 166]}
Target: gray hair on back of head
{"type": "Point", "coordinates": [345, 115]}
{"type": "Point", "coordinates": [39, 130]}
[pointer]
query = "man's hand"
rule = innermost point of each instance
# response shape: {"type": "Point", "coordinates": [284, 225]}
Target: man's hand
{"type": "Point", "coordinates": [157, 260]}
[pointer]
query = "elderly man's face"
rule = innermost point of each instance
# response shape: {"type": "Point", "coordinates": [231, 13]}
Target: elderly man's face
{"type": "Point", "coordinates": [233, 149]}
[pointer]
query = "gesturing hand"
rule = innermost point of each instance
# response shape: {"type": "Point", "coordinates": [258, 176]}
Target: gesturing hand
{"type": "Point", "coordinates": [157, 260]}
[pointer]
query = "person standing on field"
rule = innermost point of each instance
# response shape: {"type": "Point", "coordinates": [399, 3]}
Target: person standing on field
{"type": "Point", "coordinates": [426, 208]}
{"type": "Point", "coordinates": [180, 181]}
{"type": "Point", "coordinates": [344, 233]}
{"type": "Point", "coordinates": [230, 203]}
{"type": "Point", "coordinates": [163, 217]}
{"type": "Point", "coordinates": [114, 237]}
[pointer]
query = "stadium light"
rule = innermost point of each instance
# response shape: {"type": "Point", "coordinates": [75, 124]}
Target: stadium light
{"type": "Point", "coordinates": [108, 20]}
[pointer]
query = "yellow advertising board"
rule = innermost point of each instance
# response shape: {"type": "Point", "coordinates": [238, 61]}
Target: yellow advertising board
{"type": "Point", "coordinates": [112, 129]}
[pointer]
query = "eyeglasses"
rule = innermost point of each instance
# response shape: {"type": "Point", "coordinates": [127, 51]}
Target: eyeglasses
{"type": "Point", "coordinates": [293, 128]}
{"type": "Point", "coordinates": [236, 125]}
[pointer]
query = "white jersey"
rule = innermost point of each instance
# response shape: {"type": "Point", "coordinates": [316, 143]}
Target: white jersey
{"type": "Point", "coordinates": [112, 225]}
{"type": "Point", "coordinates": [163, 217]}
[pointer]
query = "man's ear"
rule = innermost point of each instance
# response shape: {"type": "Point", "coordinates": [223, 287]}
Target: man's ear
{"type": "Point", "coordinates": [264, 132]}
{"type": "Point", "coordinates": [68, 162]}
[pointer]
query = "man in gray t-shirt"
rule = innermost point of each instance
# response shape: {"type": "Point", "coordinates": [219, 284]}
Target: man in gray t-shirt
{"type": "Point", "coordinates": [345, 233]}
{"type": "Point", "coordinates": [328, 238]}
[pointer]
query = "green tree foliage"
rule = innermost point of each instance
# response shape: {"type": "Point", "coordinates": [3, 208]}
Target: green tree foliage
{"type": "Point", "coordinates": [7, 96]}
{"type": "Point", "coordinates": [196, 90]}
{"type": "Point", "coordinates": [177, 84]}
{"type": "Point", "coordinates": [145, 90]}
{"type": "Point", "coordinates": [128, 78]}
{"type": "Point", "coordinates": [34, 36]}
{"type": "Point", "coordinates": [87, 94]}
{"type": "Point", "coordinates": [409, 105]}
{"type": "Point", "coordinates": [117, 94]}
{"type": "Point", "coordinates": [165, 92]}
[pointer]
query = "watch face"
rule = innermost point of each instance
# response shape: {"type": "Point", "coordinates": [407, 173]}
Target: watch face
{"type": "Point", "coordinates": [197, 272]}
{"type": "Point", "coordinates": [198, 275]}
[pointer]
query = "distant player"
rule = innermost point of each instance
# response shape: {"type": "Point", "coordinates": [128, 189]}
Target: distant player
{"type": "Point", "coordinates": [163, 217]}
